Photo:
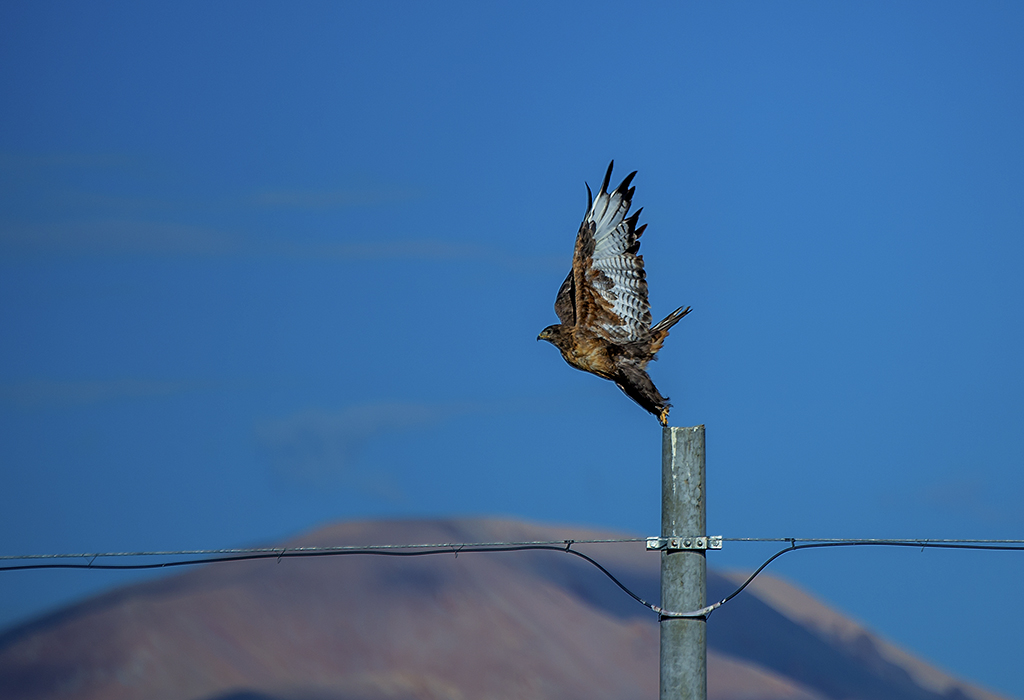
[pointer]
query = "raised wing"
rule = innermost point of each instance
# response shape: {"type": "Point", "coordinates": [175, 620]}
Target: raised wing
{"type": "Point", "coordinates": [608, 275]}
{"type": "Point", "coordinates": [565, 302]}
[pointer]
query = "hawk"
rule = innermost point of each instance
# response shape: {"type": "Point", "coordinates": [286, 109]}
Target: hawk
{"type": "Point", "coordinates": [605, 318]}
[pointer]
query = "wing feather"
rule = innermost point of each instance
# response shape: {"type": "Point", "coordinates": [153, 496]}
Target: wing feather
{"type": "Point", "coordinates": [609, 279]}
{"type": "Point", "coordinates": [565, 302]}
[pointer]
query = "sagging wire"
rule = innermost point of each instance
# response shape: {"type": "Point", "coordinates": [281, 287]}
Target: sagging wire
{"type": "Point", "coordinates": [565, 546]}
{"type": "Point", "coordinates": [996, 545]}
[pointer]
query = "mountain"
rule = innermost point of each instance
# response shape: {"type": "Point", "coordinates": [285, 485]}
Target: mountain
{"type": "Point", "coordinates": [531, 624]}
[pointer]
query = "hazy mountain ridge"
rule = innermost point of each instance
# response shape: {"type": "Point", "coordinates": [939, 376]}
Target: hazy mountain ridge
{"type": "Point", "coordinates": [510, 625]}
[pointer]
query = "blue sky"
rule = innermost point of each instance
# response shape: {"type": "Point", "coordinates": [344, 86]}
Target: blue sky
{"type": "Point", "coordinates": [264, 267]}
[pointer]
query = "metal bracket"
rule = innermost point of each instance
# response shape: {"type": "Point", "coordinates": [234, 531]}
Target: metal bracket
{"type": "Point", "coordinates": [670, 544]}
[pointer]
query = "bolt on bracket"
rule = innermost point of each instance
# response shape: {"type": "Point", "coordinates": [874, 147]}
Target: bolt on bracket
{"type": "Point", "coordinates": [671, 544]}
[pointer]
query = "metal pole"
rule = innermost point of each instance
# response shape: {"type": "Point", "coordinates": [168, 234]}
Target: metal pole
{"type": "Point", "coordinates": [683, 572]}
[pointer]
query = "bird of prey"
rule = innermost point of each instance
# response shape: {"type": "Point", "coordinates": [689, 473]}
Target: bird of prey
{"type": "Point", "coordinates": [605, 318]}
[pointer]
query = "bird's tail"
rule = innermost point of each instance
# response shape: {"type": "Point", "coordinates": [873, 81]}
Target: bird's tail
{"type": "Point", "coordinates": [660, 330]}
{"type": "Point", "coordinates": [637, 385]}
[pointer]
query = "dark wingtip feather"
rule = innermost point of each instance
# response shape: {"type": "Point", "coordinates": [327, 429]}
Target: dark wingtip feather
{"type": "Point", "coordinates": [590, 197]}
{"type": "Point", "coordinates": [625, 183]}
{"type": "Point", "coordinates": [607, 177]}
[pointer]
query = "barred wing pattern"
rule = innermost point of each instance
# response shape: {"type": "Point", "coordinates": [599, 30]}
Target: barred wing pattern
{"type": "Point", "coordinates": [607, 281]}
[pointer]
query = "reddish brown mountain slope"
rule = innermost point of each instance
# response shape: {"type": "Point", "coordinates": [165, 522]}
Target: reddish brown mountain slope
{"type": "Point", "coordinates": [509, 625]}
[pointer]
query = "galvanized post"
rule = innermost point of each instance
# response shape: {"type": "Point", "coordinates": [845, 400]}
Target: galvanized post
{"type": "Point", "coordinates": [683, 571]}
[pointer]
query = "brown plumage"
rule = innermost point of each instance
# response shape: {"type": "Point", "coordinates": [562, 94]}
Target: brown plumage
{"type": "Point", "coordinates": [605, 318]}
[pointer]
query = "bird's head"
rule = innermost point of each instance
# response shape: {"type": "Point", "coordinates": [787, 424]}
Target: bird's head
{"type": "Point", "coordinates": [552, 334]}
